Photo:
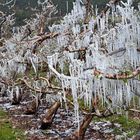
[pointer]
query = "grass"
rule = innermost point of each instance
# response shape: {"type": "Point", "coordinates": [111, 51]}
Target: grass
{"type": "Point", "coordinates": [128, 124]}
{"type": "Point", "coordinates": [2, 114]}
{"type": "Point", "coordinates": [6, 130]}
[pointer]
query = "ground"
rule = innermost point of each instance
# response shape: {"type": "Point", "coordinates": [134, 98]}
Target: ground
{"type": "Point", "coordinates": [16, 125]}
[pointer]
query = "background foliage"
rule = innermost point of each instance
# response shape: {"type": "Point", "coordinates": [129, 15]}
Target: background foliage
{"type": "Point", "coordinates": [24, 8]}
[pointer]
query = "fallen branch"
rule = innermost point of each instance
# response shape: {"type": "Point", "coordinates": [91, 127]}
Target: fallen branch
{"type": "Point", "coordinates": [50, 86]}
{"type": "Point", "coordinates": [45, 79]}
{"type": "Point", "coordinates": [80, 133]}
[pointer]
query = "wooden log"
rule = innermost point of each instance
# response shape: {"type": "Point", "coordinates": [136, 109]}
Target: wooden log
{"type": "Point", "coordinates": [49, 116]}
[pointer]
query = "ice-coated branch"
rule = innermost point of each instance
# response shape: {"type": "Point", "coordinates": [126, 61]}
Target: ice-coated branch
{"type": "Point", "coordinates": [7, 3]}
{"type": "Point", "coordinates": [104, 11]}
{"type": "Point", "coordinates": [73, 39]}
{"type": "Point", "coordinates": [27, 33]}
{"type": "Point", "coordinates": [43, 38]}
{"type": "Point", "coordinates": [108, 6]}
{"type": "Point", "coordinates": [123, 76]}
{"type": "Point", "coordinates": [2, 22]}
{"type": "Point", "coordinates": [47, 88]}
{"type": "Point", "coordinates": [116, 51]}
{"type": "Point", "coordinates": [89, 10]}
{"type": "Point", "coordinates": [75, 50]}
{"type": "Point", "coordinates": [119, 76]}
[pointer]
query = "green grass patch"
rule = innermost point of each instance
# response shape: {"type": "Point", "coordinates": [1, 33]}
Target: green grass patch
{"type": "Point", "coordinates": [128, 124]}
{"type": "Point", "coordinates": [2, 114]}
{"type": "Point", "coordinates": [6, 130]}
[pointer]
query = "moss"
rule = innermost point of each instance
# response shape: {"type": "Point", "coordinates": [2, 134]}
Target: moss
{"type": "Point", "coordinates": [6, 130]}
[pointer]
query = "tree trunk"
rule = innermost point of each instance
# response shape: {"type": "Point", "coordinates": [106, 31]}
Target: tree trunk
{"type": "Point", "coordinates": [80, 133]}
{"type": "Point", "coordinates": [49, 116]}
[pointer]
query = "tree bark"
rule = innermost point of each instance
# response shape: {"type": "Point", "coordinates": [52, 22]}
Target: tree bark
{"type": "Point", "coordinates": [80, 133]}
{"type": "Point", "coordinates": [49, 116]}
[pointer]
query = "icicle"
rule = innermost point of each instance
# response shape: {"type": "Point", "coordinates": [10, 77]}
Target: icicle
{"type": "Point", "coordinates": [75, 100]}
{"type": "Point", "coordinates": [34, 67]}
{"type": "Point", "coordinates": [17, 92]}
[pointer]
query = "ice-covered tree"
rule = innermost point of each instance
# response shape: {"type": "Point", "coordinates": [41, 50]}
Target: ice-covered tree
{"type": "Point", "coordinates": [90, 56]}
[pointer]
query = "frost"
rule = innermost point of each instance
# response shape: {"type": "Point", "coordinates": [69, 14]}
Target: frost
{"type": "Point", "coordinates": [87, 53]}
